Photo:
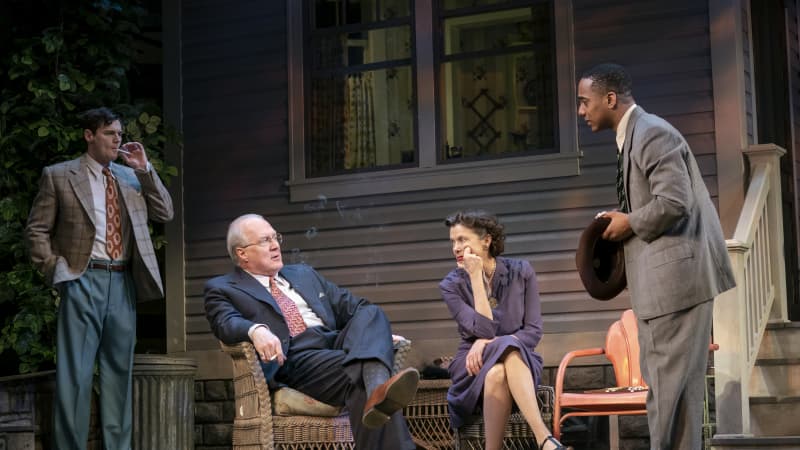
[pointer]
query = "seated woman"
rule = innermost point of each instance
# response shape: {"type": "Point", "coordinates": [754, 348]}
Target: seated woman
{"type": "Point", "coordinates": [495, 302]}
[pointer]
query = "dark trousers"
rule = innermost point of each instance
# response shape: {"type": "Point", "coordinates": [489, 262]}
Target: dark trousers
{"type": "Point", "coordinates": [96, 322]}
{"type": "Point", "coordinates": [326, 365]}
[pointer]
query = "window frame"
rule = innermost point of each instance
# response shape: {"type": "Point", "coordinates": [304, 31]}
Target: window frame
{"type": "Point", "coordinates": [431, 173]}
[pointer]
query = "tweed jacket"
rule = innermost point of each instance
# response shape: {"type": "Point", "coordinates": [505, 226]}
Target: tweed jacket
{"type": "Point", "coordinates": [677, 256]}
{"type": "Point", "coordinates": [61, 230]}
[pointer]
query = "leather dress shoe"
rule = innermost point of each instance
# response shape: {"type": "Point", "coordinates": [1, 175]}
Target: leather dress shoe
{"type": "Point", "coordinates": [390, 397]}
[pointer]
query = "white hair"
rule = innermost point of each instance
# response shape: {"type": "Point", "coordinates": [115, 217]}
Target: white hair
{"type": "Point", "coordinates": [236, 237]}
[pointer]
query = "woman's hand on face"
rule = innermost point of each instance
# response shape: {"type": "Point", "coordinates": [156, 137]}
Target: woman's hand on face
{"type": "Point", "coordinates": [473, 263]}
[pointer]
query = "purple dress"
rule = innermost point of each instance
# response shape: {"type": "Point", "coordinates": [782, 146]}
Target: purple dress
{"type": "Point", "coordinates": [517, 324]}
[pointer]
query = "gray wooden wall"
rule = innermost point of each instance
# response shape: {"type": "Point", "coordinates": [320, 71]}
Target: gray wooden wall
{"type": "Point", "coordinates": [394, 249]}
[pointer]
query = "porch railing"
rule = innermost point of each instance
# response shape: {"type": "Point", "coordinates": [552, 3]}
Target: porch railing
{"type": "Point", "coordinates": [741, 314]}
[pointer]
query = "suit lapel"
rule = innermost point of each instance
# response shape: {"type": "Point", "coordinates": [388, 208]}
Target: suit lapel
{"type": "Point", "coordinates": [79, 180]}
{"type": "Point", "coordinates": [248, 284]}
{"type": "Point", "coordinates": [626, 151]}
{"type": "Point", "coordinates": [127, 187]}
{"type": "Point", "coordinates": [310, 295]}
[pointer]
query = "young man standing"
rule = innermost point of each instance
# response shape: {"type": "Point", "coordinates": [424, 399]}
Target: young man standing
{"type": "Point", "coordinates": [676, 261]}
{"type": "Point", "coordinates": [88, 233]}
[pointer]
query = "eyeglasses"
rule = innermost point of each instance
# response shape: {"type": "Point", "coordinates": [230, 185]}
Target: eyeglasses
{"type": "Point", "coordinates": [266, 240]}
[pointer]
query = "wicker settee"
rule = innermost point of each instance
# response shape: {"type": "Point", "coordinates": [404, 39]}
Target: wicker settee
{"type": "Point", "coordinates": [429, 421]}
{"type": "Point", "coordinates": [257, 427]}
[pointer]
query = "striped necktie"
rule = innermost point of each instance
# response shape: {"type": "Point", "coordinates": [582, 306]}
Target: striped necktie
{"type": "Point", "coordinates": [291, 314]}
{"type": "Point", "coordinates": [623, 201]}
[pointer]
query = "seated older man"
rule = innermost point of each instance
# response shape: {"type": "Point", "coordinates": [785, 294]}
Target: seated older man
{"type": "Point", "coordinates": [311, 335]}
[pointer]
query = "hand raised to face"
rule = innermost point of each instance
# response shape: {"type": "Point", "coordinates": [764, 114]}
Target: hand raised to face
{"type": "Point", "coordinates": [135, 158]}
{"type": "Point", "coordinates": [473, 263]}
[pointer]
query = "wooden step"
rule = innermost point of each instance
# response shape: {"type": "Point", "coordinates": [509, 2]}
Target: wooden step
{"type": "Point", "coordinates": [755, 443]}
{"type": "Point", "coordinates": [775, 416]}
{"type": "Point", "coordinates": [776, 377]}
{"type": "Point", "coordinates": [781, 341]}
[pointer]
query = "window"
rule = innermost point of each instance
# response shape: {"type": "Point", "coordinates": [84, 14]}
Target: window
{"type": "Point", "coordinates": [497, 81]}
{"type": "Point", "coordinates": [360, 113]}
{"type": "Point", "coordinates": [399, 95]}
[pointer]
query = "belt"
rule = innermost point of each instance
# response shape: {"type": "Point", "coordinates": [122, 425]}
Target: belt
{"type": "Point", "coordinates": [109, 266]}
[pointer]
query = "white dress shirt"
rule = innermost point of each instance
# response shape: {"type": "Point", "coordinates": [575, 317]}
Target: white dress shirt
{"type": "Point", "coordinates": [623, 127]}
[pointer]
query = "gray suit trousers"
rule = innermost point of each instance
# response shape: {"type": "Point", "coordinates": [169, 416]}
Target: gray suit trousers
{"type": "Point", "coordinates": [674, 357]}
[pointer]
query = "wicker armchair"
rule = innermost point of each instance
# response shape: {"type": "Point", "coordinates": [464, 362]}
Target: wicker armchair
{"type": "Point", "coordinates": [256, 427]}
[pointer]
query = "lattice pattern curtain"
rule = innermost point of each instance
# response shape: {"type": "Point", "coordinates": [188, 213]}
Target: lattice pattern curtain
{"type": "Point", "coordinates": [359, 118]}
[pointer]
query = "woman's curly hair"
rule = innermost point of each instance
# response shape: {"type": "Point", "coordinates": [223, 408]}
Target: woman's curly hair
{"type": "Point", "coordinates": [482, 223]}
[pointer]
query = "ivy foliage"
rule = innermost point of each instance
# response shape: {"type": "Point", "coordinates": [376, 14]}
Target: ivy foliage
{"type": "Point", "coordinates": [57, 59]}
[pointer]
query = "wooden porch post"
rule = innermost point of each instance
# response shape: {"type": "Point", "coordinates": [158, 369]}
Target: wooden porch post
{"type": "Point", "coordinates": [729, 70]}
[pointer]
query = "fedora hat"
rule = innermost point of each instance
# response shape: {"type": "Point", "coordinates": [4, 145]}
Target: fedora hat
{"type": "Point", "coordinates": [601, 263]}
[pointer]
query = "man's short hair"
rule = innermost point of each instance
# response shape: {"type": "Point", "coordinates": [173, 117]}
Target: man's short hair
{"type": "Point", "coordinates": [610, 77]}
{"type": "Point", "coordinates": [235, 238]}
{"type": "Point", "coordinates": [95, 118]}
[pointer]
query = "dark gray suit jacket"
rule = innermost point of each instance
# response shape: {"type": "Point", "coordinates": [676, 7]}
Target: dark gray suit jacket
{"type": "Point", "coordinates": [677, 256]}
{"type": "Point", "coordinates": [236, 301]}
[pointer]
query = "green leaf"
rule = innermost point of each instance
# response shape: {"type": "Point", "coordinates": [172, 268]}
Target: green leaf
{"type": "Point", "coordinates": [43, 131]}
{"type": "Point", "coordinates": [64, 83]}
{"type": "Point", "coordinates": [144, 118]}
{"type": "Point", "coordinates": [67, 104]}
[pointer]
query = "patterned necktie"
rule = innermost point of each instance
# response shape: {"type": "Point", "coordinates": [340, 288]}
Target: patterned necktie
{"type": "Point", "coordinates": [113, 220]}
{"type": "Point", "coordinates": [289, 309]}
{"type": "Point", "coordinates": [623, 201]}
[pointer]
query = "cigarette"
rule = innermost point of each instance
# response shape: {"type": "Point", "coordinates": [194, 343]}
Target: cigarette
{"type": "Point", "coordinates": [272, 358]}
{"type": "Point", "coordinates": [123, 151]}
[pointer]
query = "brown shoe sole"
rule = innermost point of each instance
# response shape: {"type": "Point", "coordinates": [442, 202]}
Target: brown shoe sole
{"type": "Point", "coordinates": [399, 394]}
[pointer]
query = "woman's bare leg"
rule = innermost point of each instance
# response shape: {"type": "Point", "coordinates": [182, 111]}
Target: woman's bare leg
{"type": "Point", "coordinates": [523, 391]}
{"type": "Point", "coordinates": [496, 406]}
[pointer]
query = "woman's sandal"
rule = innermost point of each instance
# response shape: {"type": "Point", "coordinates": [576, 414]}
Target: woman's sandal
{"type": "Point", "coordinates": [554, 441]}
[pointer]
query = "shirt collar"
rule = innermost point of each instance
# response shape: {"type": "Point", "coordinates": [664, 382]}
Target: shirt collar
{"type": "Point", "coordinates": [623, 127]}
{"type": "Point", "coordinates": [95, 168]}
{"type": "Point", "coordinates": [264, 279]}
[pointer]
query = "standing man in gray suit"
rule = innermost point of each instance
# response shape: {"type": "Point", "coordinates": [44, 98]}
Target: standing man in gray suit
{"type": "Point", "coordinates": [676, 261]}
{"type": "Point", "coordinates": [87, 232]}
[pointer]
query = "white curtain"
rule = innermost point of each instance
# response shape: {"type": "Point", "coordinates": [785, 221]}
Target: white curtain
{"type": "Point", "coordinates": [359, 119]}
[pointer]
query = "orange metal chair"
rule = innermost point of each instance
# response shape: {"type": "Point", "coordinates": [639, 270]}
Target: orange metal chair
{"type": "Point", "coordinates": [628, 397]}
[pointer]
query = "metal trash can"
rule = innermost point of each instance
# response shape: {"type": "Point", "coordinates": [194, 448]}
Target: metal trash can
{"type": "Point", "coordinates": [163, 402]}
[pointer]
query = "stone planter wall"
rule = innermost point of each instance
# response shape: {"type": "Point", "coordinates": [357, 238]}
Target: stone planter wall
{"type": "Point", "coordinates": [214, 413]}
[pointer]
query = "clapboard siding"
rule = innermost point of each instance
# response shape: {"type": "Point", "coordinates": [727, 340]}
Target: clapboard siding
{"type": "Point", "coordinates": [235, 117]}
{"type": "Point", "coordinates": [394, 248]}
